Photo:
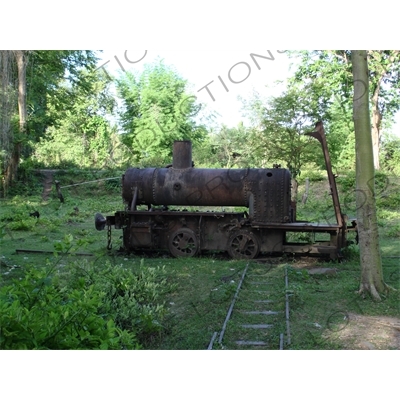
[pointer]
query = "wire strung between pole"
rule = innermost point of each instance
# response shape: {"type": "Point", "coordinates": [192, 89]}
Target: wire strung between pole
{"type": "Point", "coordinates": [85, 183]}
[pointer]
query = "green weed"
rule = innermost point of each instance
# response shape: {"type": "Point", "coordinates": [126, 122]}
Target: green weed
{"type": "Point", "coordinates": [394, 231]}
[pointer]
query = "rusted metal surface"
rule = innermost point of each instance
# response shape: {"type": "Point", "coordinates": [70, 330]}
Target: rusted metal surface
{"type": "Point", "coordinates": [182, 154]}
{"type": "Point", "coordinates": [18, 251]}
{"type": "Point", "coordinates": [319, 134]}
{"type": "Point", "coordinates": [266, 194]}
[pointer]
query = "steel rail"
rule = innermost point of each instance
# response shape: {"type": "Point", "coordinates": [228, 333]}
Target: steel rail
{"type": "Point", "coordinates": [281, 341]}
{"type": "Point", "coordinates": [214, 336]}
{"type": "Point", "coordinates": [221, 336]}
{"type": "Point", "coordinates": [287, 308]}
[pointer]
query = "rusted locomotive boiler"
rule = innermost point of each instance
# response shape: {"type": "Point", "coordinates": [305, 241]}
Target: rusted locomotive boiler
{"type": "Point", "coordinates": [262, 227]}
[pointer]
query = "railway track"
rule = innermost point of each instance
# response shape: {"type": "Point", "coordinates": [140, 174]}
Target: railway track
{"type": "Point", "coordinates": [258, 315]}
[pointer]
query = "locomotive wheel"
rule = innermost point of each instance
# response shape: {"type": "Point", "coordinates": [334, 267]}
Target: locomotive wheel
{"type": "Point", "coordinates": [183, 243]}
{"type": "Point", "coordinates": [243, 245]}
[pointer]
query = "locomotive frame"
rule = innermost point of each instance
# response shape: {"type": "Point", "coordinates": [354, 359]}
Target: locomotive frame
{"type": "Point", "coordinates": [266, 194]}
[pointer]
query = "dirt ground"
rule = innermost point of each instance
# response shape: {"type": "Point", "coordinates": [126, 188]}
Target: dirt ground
{"type": "Point", "coordinates": [47, 183]}
{"type": "Point", "coordinates": [360, 332]}
{"type": "Point", "coordinates": [357, 331]}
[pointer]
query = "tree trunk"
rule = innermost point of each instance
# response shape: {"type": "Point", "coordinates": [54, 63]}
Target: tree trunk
{"type": "Point", "coordinates": [295, 190]}
{"type": "Point", "coordinates": [20, 57]}
{"type": "Point", "coordinates": [370, 258]}
{"type": "Point", "coordinates": [305, 195]}
{"type": "Point", "coordinates": [7, 108]}
{"type": "Point", "coordinates": [376, 126]}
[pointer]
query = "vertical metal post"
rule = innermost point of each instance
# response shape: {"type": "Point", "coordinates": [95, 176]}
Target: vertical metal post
{"type": "Point", "coordinates": [182, 154]}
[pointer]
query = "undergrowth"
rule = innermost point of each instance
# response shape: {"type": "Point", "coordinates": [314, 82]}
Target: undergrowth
{"type": "Point", "coordinates": [82, 306]}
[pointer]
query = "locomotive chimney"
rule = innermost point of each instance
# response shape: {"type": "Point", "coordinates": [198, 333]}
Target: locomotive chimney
{"type": "Point", "coordinates": [182, 154]}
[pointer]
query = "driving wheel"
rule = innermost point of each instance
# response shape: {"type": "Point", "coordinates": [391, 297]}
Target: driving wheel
{"type": "Point", "coordinates": [243, 245]}
{"type": "Point", "coordinates": [183, 243]}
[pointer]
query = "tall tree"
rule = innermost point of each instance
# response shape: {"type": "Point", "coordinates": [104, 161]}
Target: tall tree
{"type": "Point", "coordinates": [8, 101]}
{"type": "Point", "coordinates": [13, 140]}
{"type": "Point", "coordinates": [332, 71]}
{"type": "Point", "coordinates": [279, 124]}
{"type": "Point", "coordinates": [157, 110]}
{"type": "Point", "coordinates": [21, 57]}
{"type": "Point", "coordinates": [225, 148]}
{"type": "Point", "coordinates": [52, 77]}
{"type": "Point", "coordinates": [83, 135]}
{"type": "Point", "coordinates": [370, 258]}
{"type": "Point", "coordinates": [27, 84]}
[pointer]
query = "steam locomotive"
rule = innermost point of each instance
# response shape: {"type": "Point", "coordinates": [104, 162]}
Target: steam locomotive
{"type": "Point", "coordinates": [263, 226]}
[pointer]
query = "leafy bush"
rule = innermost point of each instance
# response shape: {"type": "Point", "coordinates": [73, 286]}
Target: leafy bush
{"type": "Point", "coordinates": [37, 313]}
{"type": "Point", "coordinates": [312, 175]}
{"type": "Point", "coordinates": [389, 200]}
{"type": "Point", "coordinates": [381, 182]}
{"type": "Point", "coordinates": [18, 219]}
{"type": "Point", "coordinates": [22, 225]}
{"type": "Point", "coordinates": [394, 231]}
{"type": "Point", "coordinates": [385, 214]}
{"type": "Point", "coordinates": [83, 307]}
{"type": "Point", "coordinates": [131, 299]}
{"type": "Point", "coordinates": [390, 155]}
{"type": "Point", "coordinates": [28, 182]}
{"type": "Point", "coordinates": [351, 253]}
{"type": "Point", "coordinates": [348, 181]}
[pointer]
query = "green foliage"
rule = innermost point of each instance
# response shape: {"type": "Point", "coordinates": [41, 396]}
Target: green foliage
{"type": "Point", "coordinates": [313, 175]}
{"type": "Point", "coordinates": [225, 148]}
{"type": "Point", "coordinates": [390, 200]}
{"type": "Point", "coordinates": [131, 299]}
{"type": "Point", "coordinates": [28, 182]}
{"type": "Point", "coordinates": [47, 93]}
{"type": "Point", "coordinates": [157, 111]}
{"type": "Point", "coordinates": [46, 100]}
{"type": "Point", "coordinates": [384, 214]}
{"type": "Point", "coordinates": [305, 237]}
{"type": "Point", "coordinates": [351, 253]}
{"type": "Point", "coordinates": [386, 191]}
{"type": "Point", "coordinates": [347, 181]}
{"type": "Point", "coordinates": [18, 218]}
{"type": "Point", "coordinates": [83, 136]}
{"type": "Point", "coordinates": [340, 136]}
{"type": "Point", "coordinates": [394, 231]}
{"type": "Point", "coordinates": [86, 307]}
{"type": "Point", "coordinates": [390, 155]}
{"type": "Point", "coordinates": [280, 124]}
{"type": "Point", "coordinates": [36, 313]}
{"type": "Point", "coordinates": [330, 71]}
{"type": "Point", "coordinates": [195, 308]}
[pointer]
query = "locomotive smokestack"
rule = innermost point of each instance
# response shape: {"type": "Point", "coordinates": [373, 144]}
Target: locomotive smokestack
{"type": "Point", "coordinates": [182, 154]}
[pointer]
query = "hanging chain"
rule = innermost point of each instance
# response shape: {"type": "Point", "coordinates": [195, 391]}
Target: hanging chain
{"type": "Point", "coordinates": [109, 245]}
